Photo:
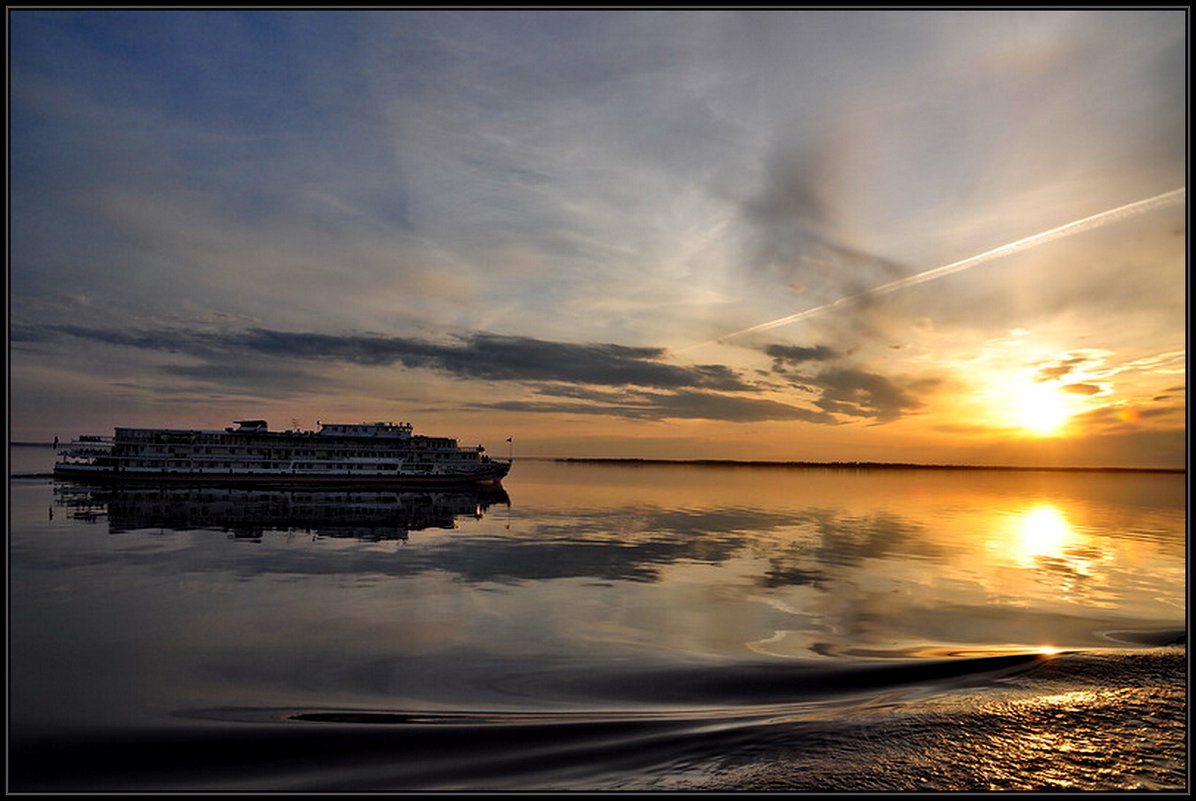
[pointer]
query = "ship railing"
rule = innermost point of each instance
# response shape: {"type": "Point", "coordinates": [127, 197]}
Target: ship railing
{"type": "Point", "coordinates": [82, 453]}
{"type": "Point", "coordinates": [85, 448]}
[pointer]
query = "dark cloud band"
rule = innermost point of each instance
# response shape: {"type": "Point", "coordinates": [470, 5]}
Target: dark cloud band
{"type": "Point", "coordinates": [479, 356]}
{"type": "Point", "coordinates": [571, 378]}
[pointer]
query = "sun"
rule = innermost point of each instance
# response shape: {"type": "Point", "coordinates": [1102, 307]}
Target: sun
{"type": "Point", "coordinates": [1041, 409]}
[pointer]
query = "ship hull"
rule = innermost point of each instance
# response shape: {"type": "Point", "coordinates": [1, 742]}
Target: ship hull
{"type": "Point", "coordinates": [280, 479]}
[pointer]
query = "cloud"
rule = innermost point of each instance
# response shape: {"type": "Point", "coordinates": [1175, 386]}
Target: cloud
{"type": "Point", "coordinates": [858, 393]}
{"type": "Point", "coordinates": [1082, 389]}
{"type": "Point", "coordinates": [967, 429]}
{"type": "Point", "coordinates": [571, 378]}
{"type": "Point", "coordinates": [640, 405]}
{"type": "Point", "coordinates": [26, 333]}
{"type": "Point", "coordinates": [1121, 416]}
{"type": "Point", "coordinates": [1171, 362]}
{"type": "Point", "coordinates": [477, 356]}
{"type": "Point", "coordinates": [794, 354]}
{"type": "Point", "coordinates": [849, 391]}
{"type": "Point", "coordinates": [1072, 362]}
{"type": "Point", "coordinates": [278, 382]}
{"type": "Point", "coordinates": [686, 404]}
{"type": "Point", "coordinates": [792, 222]}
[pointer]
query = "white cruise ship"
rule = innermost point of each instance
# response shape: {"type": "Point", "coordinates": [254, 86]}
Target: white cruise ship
{"type": "Point", "coordinates": [249, 452]}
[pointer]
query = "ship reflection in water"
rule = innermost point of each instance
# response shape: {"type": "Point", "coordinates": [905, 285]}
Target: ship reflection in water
{"type": "Point", "coordinates": [247, 514]}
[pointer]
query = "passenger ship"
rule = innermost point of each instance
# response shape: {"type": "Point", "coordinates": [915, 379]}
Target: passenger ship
{"type": "Point", "coordinates": [250, 453]}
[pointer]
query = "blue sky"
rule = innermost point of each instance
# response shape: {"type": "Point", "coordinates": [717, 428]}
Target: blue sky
{"type": "Point", "coordinates": [536, 224]}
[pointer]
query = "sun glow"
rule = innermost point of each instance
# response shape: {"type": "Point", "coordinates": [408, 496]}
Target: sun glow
{"type": "Point", "coordinates": [1041, 409]}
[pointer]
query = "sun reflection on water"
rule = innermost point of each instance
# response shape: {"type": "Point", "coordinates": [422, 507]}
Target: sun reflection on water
{"type": "Point", "coordinates": [1042, 530]}
{"type": "Point", "coordinates": [1042, 544]}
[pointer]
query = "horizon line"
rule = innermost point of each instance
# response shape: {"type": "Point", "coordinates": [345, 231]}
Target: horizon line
{"type": "Point", "coordinates": [790, 463]}
{"type": "Point", "coordinates": [853, 464]}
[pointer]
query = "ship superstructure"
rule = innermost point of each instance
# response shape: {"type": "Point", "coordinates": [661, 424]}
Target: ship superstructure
{"type": "Point", "coordinates": [250, 452]}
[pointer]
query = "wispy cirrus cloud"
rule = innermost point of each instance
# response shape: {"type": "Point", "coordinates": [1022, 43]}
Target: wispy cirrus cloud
{"type": "Point", "coordinates": [681, 404]}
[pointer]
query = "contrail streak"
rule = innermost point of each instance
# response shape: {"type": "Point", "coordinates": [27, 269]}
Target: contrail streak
{"type": "Point", "coordinates": [1042, 238]}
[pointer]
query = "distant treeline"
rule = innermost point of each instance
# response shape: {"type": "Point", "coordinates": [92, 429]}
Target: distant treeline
{"type": "Point", "coordinates": [32, 444]}
{"type": "Point", "coordinates": [865, 465]}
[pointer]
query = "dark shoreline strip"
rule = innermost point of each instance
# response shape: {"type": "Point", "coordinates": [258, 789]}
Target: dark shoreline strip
{"type": "Point", "coordinates": [863, 465]}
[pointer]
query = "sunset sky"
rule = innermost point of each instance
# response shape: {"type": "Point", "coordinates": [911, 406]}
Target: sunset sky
{"type": "Point", "coordinates": [595, 231]}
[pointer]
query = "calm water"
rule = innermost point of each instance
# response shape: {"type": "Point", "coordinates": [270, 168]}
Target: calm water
{"type": "Point", "coordinates": [594, 627]}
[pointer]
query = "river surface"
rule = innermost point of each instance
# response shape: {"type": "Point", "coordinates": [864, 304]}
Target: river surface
{"type": "Point", "coordinates": [600, 627]}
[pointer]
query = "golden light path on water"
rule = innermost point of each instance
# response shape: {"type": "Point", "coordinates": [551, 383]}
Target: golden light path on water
{"type": "Point", "coordinates": [1043, 237]}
